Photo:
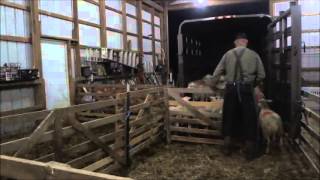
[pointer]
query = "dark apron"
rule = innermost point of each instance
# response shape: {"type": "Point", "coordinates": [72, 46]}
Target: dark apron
{"type": "Point", "coordinates": [239, 108]}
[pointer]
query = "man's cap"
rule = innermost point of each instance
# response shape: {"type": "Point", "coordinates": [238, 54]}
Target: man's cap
{"type": "Point", "coordinates": [241, 36]}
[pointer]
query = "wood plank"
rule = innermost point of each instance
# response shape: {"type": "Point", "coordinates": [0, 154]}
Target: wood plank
{"type": "Point", "coordinates": [213, 104]}
{"type": "Point", "coordinates": [30, 117]}
{"type": "Point", "coordinates": [195, 131]}
{"type": "Point", "coordinates": [23, 110]}
{"type": "Point", "coordinates": [11, 146]}
{"type": "Point", "coordinates": [215, 124]}
{"type": "Point", "coordinates": [141, 92]}
{"type": "Point", "coordinates": [81, 128]}
{"type": "Point", "coordinates": [84, 159]}
{"type": "Point", "coordinates": [189, 107]}
{"type": "Point", "coordinates": [91, 106]}
{"type": "Point", "coordinates": [143, 145]}
{"type": "Point", "coordinates": [99, 164]}
{"type": "Point", "coordinates": [36, 135]}
{"type": "Point", "coordinates": [18, 168]}
{"type": "Point", "coordinates": [167, 114]}
{"type": "Point", "coordinates": [145, 135]}
{"type": "Point", "coordinates": [58, 137]}
{"type": "Point", "coordinates": [205, 90]}
{"type": "Point", "coordinates": [15, 39]}
{"type": "Point", "coordinates": [187, 113]}
{"type": "Point", "coordinates": [196, 140]}
{"type": "Point", "coordinates": [146, 126]}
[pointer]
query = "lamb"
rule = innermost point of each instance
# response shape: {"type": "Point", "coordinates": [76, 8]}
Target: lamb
{"type": "Point", "coordinates": [271, 124]}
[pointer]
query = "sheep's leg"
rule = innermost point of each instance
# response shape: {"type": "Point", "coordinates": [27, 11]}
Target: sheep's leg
{"type": "Point", "coordinates": [268, 145]}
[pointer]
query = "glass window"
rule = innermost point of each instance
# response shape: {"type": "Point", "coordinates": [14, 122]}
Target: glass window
{"type": "Point", "coordinates": [156, 20]}
{"type": "Point", "coordinates": [89, 36]}
{"type": "Point", "coordinates": [146, 16]}
{"type": "Point", "coordinates": [16, 52]}
{"type": "Point", "coordinates": [131, 25]}
{"type": "Point", "coordinates": [310, 6]}
{"type": "Point", "coordinates": [158, 47]}
{"type": "Point", "coordinates": [56, 27]}
{"type": "Point", "coordinates": [21, 2]}
{"type": "Point", "coordinates": [147, 45]}
{"type": "Point", "coordinates": [280, 6]}
{"type": "Point", "coordinates": [311, 39]}
{"type": "Point", "coordinates": [114, 20]}
{"type": "Point", "coordinates": [60, 7]}
{"type": "Point", "coordinates": [16, 99]}
{"type": "Point", "coordinates": [115, 4]}
{"type": "Point", "coordinates": [114, 40]}
{"type": "Point", "coordinates": [310, 22]}
{"type": "Point", "coordinates": [88, 12]}
{"type": "Point", "coordinates": [146, 29]}
{"type": "Point", "coordinates": [157, 33]}
{"type": "Point", "coordinates": [147, 63]}
{"type": "Point", "coordinates": [134, 42]}
{"type": "Point", "coordinates": [14, 22]}
{"type": "Point", "coordinates": [131, 9]}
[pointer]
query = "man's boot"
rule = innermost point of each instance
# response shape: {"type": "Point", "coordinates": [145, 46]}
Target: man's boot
{"type": "Point", "coordinates": [251, 151]}
{"type": "Point", "coordinates": [227, 146]}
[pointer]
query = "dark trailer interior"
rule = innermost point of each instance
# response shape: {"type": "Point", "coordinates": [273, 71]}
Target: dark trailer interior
{"type": "Point", "coordinates": [204, 41]}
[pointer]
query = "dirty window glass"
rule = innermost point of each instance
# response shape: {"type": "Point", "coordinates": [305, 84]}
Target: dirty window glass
{"type": "Point", "coordinates": [114, 20]}
{"type": "Point", "coordinates": [114, 40]}
{"type": "Point", "coordinates": [89, 36]}
{"type": "Point", "coordinates": [88, 12]}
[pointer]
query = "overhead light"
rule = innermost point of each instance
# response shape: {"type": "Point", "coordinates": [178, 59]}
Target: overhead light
{"type": "Point", "coordinates": [200, 3]}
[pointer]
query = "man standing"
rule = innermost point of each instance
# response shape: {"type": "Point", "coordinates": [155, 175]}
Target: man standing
{"type": "Point", "coordinates": [243, 70]}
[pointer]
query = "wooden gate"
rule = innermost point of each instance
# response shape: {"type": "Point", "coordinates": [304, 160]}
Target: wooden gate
{"type": "Point", "coordinates": [194, 121]}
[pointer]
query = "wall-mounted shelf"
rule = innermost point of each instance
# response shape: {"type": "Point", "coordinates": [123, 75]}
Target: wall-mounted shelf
{"type": "Point", "coordinates": [19, 84]}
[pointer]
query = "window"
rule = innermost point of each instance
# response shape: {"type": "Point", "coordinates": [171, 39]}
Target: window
{"type": "Point", "coordinates": [115, 4]}
{"type": "Point", "coordinates": [157, 33]}
{"type": "Point", "coordinates": [14, 22]}
{"type": "Point", "coordinates": [16, 99]}
{"type": "Point", "coordinates": [310, 22]}
{"type": "Point", "coordinates": [131, 9]}
{"type": "Point", "coordinates": [146, 16]}
{"type": "Point", "coordinates": [88, 12]}
{"type": "Point", "coordinates": [158, 47]}
{"type": "Point", "coordinates": [131, 25]}
{"type": "Point", "coordinates": [311, 39]}
{"type": "Point", "coordinates": [114, 40]}
{"type": "Point", "coordinates": [89, 36]}
{"type": "Point", "coordinates": [134, 42]}
{"type": "Point", "coordinates": [147, 45]}
{"type": "Point", "coordinates": [15, 52]}
{"type": "Point", "coordinates": [157, 20]}
{"type": "Point", "coordinates": [56, 27]}
{"type": "Point", "coordinates": [21, 2]}
{"type": "Point", "coordinates": [310, 6]}
{"type": "Point", "coordinates": [146, 29]}
{"type": "Point", "coordinates": [114, 20]}
{"type": "Point", "coordinates": [63, 7]}
{"type": "Point", "coordinates": [280, 6]}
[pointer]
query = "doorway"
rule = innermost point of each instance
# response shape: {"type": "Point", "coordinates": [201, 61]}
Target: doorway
{"type": "Point", "coordinates": [55, 73]}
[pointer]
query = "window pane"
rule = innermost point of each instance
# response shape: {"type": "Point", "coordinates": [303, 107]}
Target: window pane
{"type": "Point", "coordinates": [89, 36]}
{"type": "Point", "coordinates": [114, 20]}
{"type": "Point", "coordinates": [16, 99]}
{"type": "Point", "coordinates": [157, 33]}
{"type": "Point", "coordinates": [156, 20]}
{"type": "Point", "coordinates": [134, 42]}
{"type": "Point", "coordinates": [56, 27]}
{"type": "Point", "coordinates": [115, 4]}
{"type": "Point", "coordinates": [310, 58]}
{"type": "Point", "coordinates": [88, 12]}
{"type": "Point", "coordinates": [311, 39]}
{"type": "Point", "coordinates": [131, 25]}
{"type": "Point", "coordinates": [158, 47]}
{"type": "Point", "coordinates": [114, 40]}
{"type": "Point", "coordinates": [60, 7]}
{"type": "Point", "coordinates": [280, 6]}
{"type": "Point", "coordinates": [310, 22]}
{"type": "Point", "coordinates": [21, 2]}
{"type": "Point", "coordinates": [14, 22]}
{"type": "Point", "coordinates": [146, 29]}
{"type": "Point", "coordinates": [146, 16]}
{"type": "Point", "coordinates": [130, 9]}
{"type": "Point", "coordinates": [147, 63]}
{"type": "Point", "coordinates": [310, 6]}
{"type": "Point", "coordinates": [147, 45]}
{"type": "Point", "coordinates": [15, 52]}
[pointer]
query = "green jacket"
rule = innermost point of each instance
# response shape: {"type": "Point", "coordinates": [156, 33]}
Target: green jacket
{"type": "Point", "coordinates": [252, 67]}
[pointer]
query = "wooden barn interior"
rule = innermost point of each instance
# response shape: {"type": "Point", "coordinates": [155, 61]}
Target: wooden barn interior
{"type": "Point", "coordinates": [100, 89]}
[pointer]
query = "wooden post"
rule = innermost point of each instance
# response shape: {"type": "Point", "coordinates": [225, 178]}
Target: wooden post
{"type": "Point", "coordinates": [58, 136]}
{"type": "Point", "coordinates": [167, 116]}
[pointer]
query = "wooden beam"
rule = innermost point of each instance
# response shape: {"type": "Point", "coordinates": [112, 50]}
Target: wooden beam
{"type": "Point", "coordinates": [99, 164]}
{"type": "Point", "coordinates": [153, 5]}
{"type": "Point", "coordinates": [189, 107]}
{"type": "Point", "coordinates": [103, 25]}
{"type": "Point", "coordinates": [36, 135]}
{"type": "Point", "coordinates": [195, 131]}
{"type": "Point", "coordinates": [196, 140]}
{"type": "Point", "coordinates": [15, 39]}
{"type": "Point", "coordinates": [18, 168]}
{"type": "Point", "coordinates": [58, 136]}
